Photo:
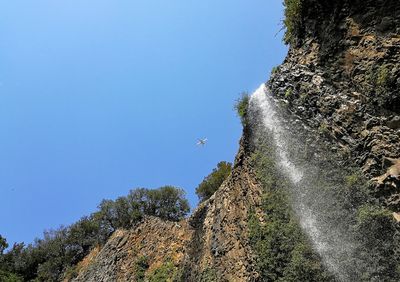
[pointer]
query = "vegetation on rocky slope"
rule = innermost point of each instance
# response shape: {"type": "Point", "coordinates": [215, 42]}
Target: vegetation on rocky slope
{"type": "Point", "coordinates": [167, 271]}
{"type": "Point", "coordinates": [48, 258]}
{"type": "Point", "coordinates": [283, 252]}
{"type": "Point", "coordinates": [292, 18]}
{"type": "Point", "coordinates": [141, 266]}
{"type": "Point", "coordinates": [241, 106]}
{"type": "Point", "coordinates": [213, 181]}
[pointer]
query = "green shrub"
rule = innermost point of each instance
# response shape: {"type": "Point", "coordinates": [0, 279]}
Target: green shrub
{"type": "Point", "coordinates": [167, 272]}
{"type": "Point", "coordinates": [380, 79]}
{"type": "Point", "coordinates": [375, 221]}
{"type": "Point", "coordinates": [383, 76]}
{"type": "Point", "coordinates": [379, 247]}
{"type": "Point", "coordinates": [241, 106]}
{"type": "Point", "coordinates": [6, 276]}
{"type": "Point", "coordinates": [303, 97]}
{"type": "Point", "coordinates": [167, 202]}
{"type": "Point", "coordinates": [213, 181]}
{"type": "Point", "coordinates": [293, 9]}
{"type": "Point", "coordinates": [352, 179]}
{"type": "Point", "coordinates": [305, 266]}
{"type": "Point", "coordinates": [355, 191]}
{"type": "Point", "coordinates": [283, 252]}
{"type": "Point", "coordinates": [71, 273]}
{"type": "Point", "coordinates": [141, 266]}
{"type": "Point", "coordinates": [288, 93]}
{"type": "Point", "coordinates": [3, 244]}
{"type": "Point", "coordinates": [208, 275]}
{"type": "Point", "coordinates": [323, 128]}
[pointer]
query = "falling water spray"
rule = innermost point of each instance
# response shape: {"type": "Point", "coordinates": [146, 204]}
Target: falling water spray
{"type": "Point", "coordinates": [309, 199]}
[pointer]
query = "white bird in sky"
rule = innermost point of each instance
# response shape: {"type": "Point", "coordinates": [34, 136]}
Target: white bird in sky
{"type": "Point", "coordinates": [201, 142]}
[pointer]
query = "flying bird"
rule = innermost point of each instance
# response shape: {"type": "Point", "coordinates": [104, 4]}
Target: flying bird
{"type": "Point", "coordinates": [201, 142]}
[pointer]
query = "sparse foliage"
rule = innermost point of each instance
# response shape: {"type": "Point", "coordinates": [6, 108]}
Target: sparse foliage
{"type": "Point", "coordinates": [166, 272]}
{"type": "Point", "coordinates": [3, 244]}
{"type": "Point", "coordinates": [241, 106]}
{"type": "Point", "coordinates": [213, 181]}
{"type": "Point", "coordinates": [292, 19]}
{"type": "Point", "coordinates": [141, 267]}
{"type": "Point", "coordinates": [288, 93]}
{"type": "Point", "coordinates": [208, 275]}
{"type": "Point", "coordinates": [383, 76]}
{"type": "Point", "coordinates": [6, 276]}
{"type": "Point", "coordinates": [376, 228]}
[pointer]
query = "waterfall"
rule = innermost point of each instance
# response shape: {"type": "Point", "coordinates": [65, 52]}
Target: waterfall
{"type": "Point", "coordinates": [309, 200]}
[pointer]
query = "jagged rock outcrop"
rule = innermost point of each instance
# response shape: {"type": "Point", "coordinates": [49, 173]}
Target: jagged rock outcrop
{"type": "Point", "coordinates": [342, 78]}
{"type": "Point", "coordinates": [155, 239]}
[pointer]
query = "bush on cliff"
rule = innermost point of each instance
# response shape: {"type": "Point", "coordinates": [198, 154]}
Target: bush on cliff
{"type": "Point", "coordinates": [292, 18]}
{"type": "Point", "coordinates": [165, 272]}
{"type": "Point", "coordinates": [378, 235]}
{"type": "Point", "coordinates": [141, 266]}
{"type": "Point", "coordinates": [213, 181]}
{"type": "Point", "coordinates": [9, 277]}
{"type": "Point", "coordinates": [167, 202]}
{"type": "Point", "coordinates": [5, 274]}
{"type": "Point", "coordinates": [241, 106]}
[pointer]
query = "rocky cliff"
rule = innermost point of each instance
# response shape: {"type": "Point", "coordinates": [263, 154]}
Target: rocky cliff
{"type": "Point", "coordinates": [220, 240]}
{"type": "Point", "coordinates": [341, 79]}
{"type": "Point", "coordinates": [147, 247]}
{"type": "Point", "coordinates": [211, 245]}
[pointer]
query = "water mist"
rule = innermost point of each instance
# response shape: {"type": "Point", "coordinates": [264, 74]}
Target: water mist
{"type": "Point", "coordinates": [312, 196]}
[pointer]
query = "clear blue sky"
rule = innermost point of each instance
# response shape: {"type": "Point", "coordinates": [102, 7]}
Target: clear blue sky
{"type": "Point", "coordinates": [98, 97]}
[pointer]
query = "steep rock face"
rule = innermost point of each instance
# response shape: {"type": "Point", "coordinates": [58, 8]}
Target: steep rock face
{"type": "Point", "coordinates": [220, 238]}
{"type": "Point", "coordinates": [154, 239]}
{"type": "Point", "coordinates": [342, 78]}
